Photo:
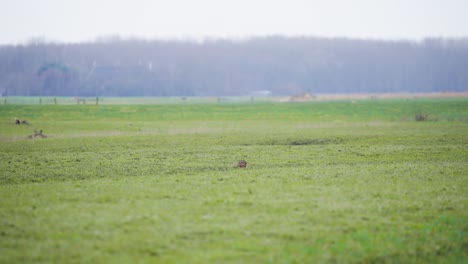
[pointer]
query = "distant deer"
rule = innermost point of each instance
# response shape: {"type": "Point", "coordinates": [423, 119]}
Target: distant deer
{"type": "Point", "coordinates": [24, 122]}
{"type": "Point", "coordinates": [242, 164]}
{"type": "Point", "coordinates": [37, 135]}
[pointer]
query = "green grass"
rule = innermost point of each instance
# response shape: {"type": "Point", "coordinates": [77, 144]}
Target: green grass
{"type": "Point", "coordinates": [326, 182]}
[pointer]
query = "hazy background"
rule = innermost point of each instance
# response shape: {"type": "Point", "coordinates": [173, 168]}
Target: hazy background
{"type": "Point", "coordinates": [85, 20]}
{"type": "Point", "coordinates": [221, 48]}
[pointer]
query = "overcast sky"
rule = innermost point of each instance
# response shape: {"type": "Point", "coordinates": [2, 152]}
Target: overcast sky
{"type": "Point", "coordinates": [84, 20]}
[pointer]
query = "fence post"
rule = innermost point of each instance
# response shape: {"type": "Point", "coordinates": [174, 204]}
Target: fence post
{"type": "Point", "coordinates": [40, 101]}
{"type": "Point", "coordinates": [97, 100]}
{"type": "Point", "coordinates": [55, 100]}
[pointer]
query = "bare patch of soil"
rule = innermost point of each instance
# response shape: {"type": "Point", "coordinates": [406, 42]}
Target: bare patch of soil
{"type": "Point", "coordinates": [391, 95]}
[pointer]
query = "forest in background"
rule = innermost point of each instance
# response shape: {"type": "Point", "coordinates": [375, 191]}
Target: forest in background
{"type": "Point", "coordinates": [257, 66]}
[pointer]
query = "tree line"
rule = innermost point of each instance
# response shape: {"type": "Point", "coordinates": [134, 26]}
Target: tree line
{"type": "Point", "coordinates": [270, 65]}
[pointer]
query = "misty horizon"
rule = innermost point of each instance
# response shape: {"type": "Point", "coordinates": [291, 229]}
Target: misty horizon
{"type": "Point", "coordinates": [280, 65]}
{"type": "Point", "coordinates": [207, 39]}
{"type": "Point", "coordinates": [86, 20]}
{"type": "Point", "coordinates": [212, 47]}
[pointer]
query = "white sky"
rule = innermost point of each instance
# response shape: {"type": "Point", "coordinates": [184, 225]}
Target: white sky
{"type": "Point", "coordinates": [84, 20]}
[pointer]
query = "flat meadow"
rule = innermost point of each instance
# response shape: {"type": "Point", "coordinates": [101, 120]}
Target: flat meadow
{"type": "Point", "coordinates": [340, 181]}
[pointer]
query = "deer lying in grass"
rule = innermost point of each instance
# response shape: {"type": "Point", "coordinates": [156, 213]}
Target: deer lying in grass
{"type": "Point", "coordinates": [37, 135]}
{"type": "Point", "coordinates": [242, 164]}
{"type": "Point", "coordinates": [24, 122]}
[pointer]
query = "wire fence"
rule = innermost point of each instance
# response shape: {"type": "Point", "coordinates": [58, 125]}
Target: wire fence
{"type": "Point", "coordinates": [34, 100]}
{"type": "Point", "coordinates": [97, 100]}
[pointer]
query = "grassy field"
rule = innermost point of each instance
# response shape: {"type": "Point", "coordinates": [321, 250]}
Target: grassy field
{"type": "Point", "coordinates": [331, 181]}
